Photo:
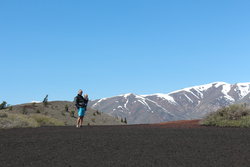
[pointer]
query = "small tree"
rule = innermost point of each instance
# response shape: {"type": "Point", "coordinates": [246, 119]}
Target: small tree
{"type": "Point", "coordinates": [45, 100]}
{"type": "Point", "coordinates": [3, 105]}
{"type": "Point", "coordinates": [121, 119]}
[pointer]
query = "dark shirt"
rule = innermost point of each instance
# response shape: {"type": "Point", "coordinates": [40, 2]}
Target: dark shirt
{"type": "Point", "coordinates": [80, 101]}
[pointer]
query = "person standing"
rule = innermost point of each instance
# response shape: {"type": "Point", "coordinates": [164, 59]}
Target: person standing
{"type": "Point", "coordinates": [81, 105]}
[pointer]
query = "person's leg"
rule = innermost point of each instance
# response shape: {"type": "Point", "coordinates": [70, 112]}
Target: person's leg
{"type": "Point", "coordinates": [78, 122]}
{"type": "Point", "coordinates": [81, 122]}
{"type": "Point", "coordinates": [83, 112]}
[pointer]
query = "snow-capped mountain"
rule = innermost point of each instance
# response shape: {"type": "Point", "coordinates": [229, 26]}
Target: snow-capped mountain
{"type": "Point", "coordinates": [189, 103]}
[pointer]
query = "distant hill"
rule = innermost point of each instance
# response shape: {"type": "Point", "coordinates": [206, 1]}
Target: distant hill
{"type": "Point", "coordinates": [185, 104]}
{"type": "Point", "coordinates": [59, 113]}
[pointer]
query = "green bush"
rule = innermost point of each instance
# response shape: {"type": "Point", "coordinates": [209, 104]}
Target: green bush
{"type": "Point", "coordinates": [235, 115]}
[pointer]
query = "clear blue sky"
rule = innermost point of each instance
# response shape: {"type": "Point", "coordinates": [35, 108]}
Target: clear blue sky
{"type": "Point", "coordinates": [114, 47]}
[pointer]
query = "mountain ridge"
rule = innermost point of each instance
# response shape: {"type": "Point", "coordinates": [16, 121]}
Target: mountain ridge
{"type": "Point", "coordinates": [187, 103]}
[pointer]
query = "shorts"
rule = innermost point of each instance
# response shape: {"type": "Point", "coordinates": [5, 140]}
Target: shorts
{"type": "Point", "coordinates": [81, 112]}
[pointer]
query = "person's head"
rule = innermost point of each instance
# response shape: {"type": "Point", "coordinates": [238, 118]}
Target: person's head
{"type": "Point", "coordinates": [86, 96]}
{"type": "Point", "coordinates": [80, 92]}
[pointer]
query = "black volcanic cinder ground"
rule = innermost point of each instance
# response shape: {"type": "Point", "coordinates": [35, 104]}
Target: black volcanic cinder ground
{"type": "Point", "coordinates": [144, 145]}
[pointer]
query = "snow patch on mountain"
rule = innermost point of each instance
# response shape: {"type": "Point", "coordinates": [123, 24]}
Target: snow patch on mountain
{"type": "Point", "coordinates": [34, 101]}
{"type": "Point", "coordinates": [125, 105]}
{"type": "Point", "coordinates": [142, 100]}
{"type": "Point", "coordinates": [160, 106]}
{"type": "Point", "coordinates": [201, 95]}
{"type": "Point", "coordinates": [126, 95]}
{"type": "Point", "coordinates": [226, 88]}
{"type": "Point", "coordinates": [189, 98]}
{"type": "Point", "coordinates": [167, 97]}
{"type": "Point", "coordinates": [139, 98]}
{"type": "Point", "coordinates": [99, 101]}
{"type": "Point", "coordinates": [201, 88]}
{"type": "Point", "coordinates": [196, 88]}
{"type": "Point", "coordinates": [244, 89]}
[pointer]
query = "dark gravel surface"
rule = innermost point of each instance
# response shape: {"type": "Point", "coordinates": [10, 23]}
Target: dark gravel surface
{"type": "Point", "coordinates": [125, 146]}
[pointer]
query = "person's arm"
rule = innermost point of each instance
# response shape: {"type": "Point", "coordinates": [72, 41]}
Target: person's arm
{"type": "Point", "coordinates": [76, 102]}
{"type": "Point", "coordinates": [86, 103]}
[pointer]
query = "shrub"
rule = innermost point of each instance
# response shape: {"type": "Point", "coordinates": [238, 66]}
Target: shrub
{"type": "Point", "coordinates": [234, 115]}
{"type": "Point", "coordinates": [38, 111]}
{"type": "Point", "coordinates": [98, 113]}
